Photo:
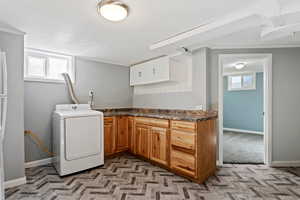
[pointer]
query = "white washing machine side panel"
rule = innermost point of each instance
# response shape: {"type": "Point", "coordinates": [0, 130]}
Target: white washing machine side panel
{"type": "Point", "coordinates": [56, 142]}
{"type": "Point", "coordinates": [83, 137]}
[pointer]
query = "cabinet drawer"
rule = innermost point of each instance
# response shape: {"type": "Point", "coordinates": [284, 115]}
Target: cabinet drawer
{"type": "Point", "coordinates": [152, 122]}
{"type": "Point", "coordinates": [183, 162]}
{"type": "Point", "coordinates": [184, 140]}
{"type": "Point", "coordinates": [184, 125]}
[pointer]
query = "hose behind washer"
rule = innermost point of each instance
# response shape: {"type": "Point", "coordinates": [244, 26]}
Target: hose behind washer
{"type": "Point", "coordinates": [70, 88]}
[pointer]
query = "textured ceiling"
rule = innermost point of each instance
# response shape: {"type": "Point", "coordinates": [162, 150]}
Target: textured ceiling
{"type": "Point", "coordinates": [74, 27]}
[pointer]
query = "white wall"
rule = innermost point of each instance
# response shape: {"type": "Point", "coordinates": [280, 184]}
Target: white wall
{"type": "Point", "coordinates": [13, 45]}
{"type": "Point", "coordinates": [286, 98]}
{"type": "Point", "coordinates": [111, 86]}
{"type": "Point", "coordinates": [187, 92]}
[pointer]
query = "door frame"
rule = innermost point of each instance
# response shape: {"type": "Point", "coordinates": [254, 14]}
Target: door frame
{"type": "Point", "coordinates": [267, 104]}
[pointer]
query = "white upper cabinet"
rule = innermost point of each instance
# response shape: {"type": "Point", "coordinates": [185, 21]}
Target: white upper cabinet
{"type": "Point", "coordinates": [153, 71]}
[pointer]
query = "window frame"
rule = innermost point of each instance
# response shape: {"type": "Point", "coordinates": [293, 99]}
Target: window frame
{"type": "Point", "coordinates": [46, 55]}
{"type": "Point", "coordinates": [229, 82]}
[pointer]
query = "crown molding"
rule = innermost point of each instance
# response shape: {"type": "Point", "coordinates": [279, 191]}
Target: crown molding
{"type": "Point", "coordinates": [11, 30]}
{"type": "Point", "coordinates": [102, 61]}
{"type": "Point", "coordinates": [257, 46]}
{"type": "Point", "coordinates": [4, 27]}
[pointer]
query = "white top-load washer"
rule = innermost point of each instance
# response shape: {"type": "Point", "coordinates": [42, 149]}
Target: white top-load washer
{"type": "Point", "coordinates": [77, 138]}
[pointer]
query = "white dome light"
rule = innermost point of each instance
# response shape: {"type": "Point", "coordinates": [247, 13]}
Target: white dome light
{"type": "Point", "coordinates": [113, 10]}
{"type": "Point", "coordinates": [240, 65]}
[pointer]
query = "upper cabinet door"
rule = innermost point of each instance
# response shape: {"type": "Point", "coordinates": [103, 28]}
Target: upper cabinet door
{"type": "Point", "coordinates": [160, 70]}
{"type": "Point", "coordinates": [153, 71]}
{"type": "Point", "coordinates": [137, 74]}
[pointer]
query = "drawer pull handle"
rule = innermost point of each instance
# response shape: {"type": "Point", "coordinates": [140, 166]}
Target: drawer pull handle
{"type": "Point", "coordinates": [190, 150]}
{"type": "Point", "coordinates": [184, 127]}
{"type": "Point", "coordinates": [185, 167]}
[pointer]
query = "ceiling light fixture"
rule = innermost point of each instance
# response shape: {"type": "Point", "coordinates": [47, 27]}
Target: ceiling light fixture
{"type": "Point", "coordinates": [240, 66]}
{"type": "Point", "coordinates": [113, 10]}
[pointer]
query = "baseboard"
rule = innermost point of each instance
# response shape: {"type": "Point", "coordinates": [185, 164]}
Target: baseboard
{"type": "Point", "coordinates": [285, 163]}
{"type": "Point", "coordinates": [37, 163]}
{"type": "Point", "coordinates": [243, 131]}
{"type": "Point", "coordinates": [15, 182]}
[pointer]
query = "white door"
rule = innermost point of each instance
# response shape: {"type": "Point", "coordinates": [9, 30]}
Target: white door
{"type": "Point", "coordinates": [83, 137]}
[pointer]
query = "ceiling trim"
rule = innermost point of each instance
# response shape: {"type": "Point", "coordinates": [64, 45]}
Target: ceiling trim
{"type": "Point", "coordinates": [245, 46]}
{"type": "Point", "coordinates": [79, 57]}
{"type": "Point", "coordinates": [11, 30]}
{"type": "Point", "coordinates": [102, 61]}
{"type": "Point", "coordinates": [46, 51]}
{"type": "Point", "coordinates": [245, 18]}
{"type": "Point", "coordinates": [238, 20]}
{"type": "Point", "coordinates": [269, 46]}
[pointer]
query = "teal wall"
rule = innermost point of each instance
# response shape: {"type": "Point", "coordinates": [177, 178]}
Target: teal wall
{"type": "Point", "coordinates": [243, 109]}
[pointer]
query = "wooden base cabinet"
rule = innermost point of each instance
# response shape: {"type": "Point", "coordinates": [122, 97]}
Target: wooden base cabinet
{"type": "Point", "coordinates": [193, 149]}
{"type": "Point", "coordinates": [142, 134]}
{"type": "Point", "coordinates": [131, 134]}
{"type": "Point", "coordinates": [206, 149]}
{"type": "Point", "coordinates": [122, 134]}
{"type": "Point", "coordinates": [184, 147]}
{"type": "Point", "coordinates": [109, 135]}
{"type": "Point", "coordinates": [159, 145]}
{"type": "Point", "coordinates": [183, 162]}
{"type": "Point", "coordinates": [151, 139]}
{"type": "Point", "coordinates": [116, 138]}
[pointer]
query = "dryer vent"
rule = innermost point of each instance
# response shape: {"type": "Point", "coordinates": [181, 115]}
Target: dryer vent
{"type": "Point", "coordinates": [70, 88]}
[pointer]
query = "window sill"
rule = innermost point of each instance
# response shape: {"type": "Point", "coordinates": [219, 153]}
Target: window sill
{"type": "Point", "coordinates": [240, 89]}
{"type": "Point", "coordinates": [44, 80]}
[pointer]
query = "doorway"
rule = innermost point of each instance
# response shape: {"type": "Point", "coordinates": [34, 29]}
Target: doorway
{"type": "Point", "coordinates": [245, 105]}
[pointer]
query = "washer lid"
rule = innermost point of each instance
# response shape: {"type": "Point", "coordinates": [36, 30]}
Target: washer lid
{"type": "Point", "coordinates": [80, 113]}
{"type": "Point", "coordinates": [75, 110]}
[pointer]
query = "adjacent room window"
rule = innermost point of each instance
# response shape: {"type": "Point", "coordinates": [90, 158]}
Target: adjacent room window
{"type": "Point", "coordinates": [47, 67]}
{"type": "Point", "coordinates": [242, 82]}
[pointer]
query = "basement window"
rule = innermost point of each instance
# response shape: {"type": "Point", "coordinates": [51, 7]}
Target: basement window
{"type": "Point", "coordinates": [242, 82]}
{"type": "Point", "coordinates": [44, 66]}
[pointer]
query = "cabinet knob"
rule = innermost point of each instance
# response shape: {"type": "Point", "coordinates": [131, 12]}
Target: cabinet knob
{"type": "Point", "coordinates": [140, 74]}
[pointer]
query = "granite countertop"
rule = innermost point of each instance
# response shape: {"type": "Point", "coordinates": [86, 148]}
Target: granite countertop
{"type": "Point", "coordinates": [186, 115]}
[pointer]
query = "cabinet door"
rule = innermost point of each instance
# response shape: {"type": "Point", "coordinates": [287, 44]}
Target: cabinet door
{"type": "Point", "coordinates": [122, 133]}
{"type": "Point", "coordinates": [131, 135]}
{"type": "Point", "coordinates": [153, 71]}
{"type": "Point", "coordinates": [160, 69]}
{"type": "Point", "coordinates": [159, 145]}
{"type": "Point", "coordinates": [139, 74]}
{"type": "Point", "coordinates": [142, 135]}
{"type": "Point", "coordinates": [109, 136]}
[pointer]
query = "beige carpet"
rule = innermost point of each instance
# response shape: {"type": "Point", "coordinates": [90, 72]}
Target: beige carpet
{"type": "Point", "coordinates": [243, 148]}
